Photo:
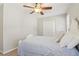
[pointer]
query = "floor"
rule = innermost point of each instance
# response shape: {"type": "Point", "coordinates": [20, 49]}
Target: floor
{"type": "Point", "coordinates": [12, 53]}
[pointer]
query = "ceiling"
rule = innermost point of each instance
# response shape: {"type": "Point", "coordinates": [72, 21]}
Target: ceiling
{"type": "Point", "coordinates": [58, 8]}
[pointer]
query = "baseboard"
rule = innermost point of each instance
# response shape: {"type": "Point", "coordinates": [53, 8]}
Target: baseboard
{"type": "Point", "coordinates": [9, 51]}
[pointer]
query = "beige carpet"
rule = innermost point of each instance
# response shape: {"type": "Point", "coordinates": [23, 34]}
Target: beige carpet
{"type": "Point", "coordinates": [12, 53]}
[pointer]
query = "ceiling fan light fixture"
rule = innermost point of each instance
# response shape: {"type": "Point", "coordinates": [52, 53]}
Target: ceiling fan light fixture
{"type": "Point", "coordinates": [37, 10]}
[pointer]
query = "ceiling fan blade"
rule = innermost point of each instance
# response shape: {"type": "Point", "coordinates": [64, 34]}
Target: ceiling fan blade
{"type": "Point", "coordinates": [41, 13]}
{"type": "Point", "coordinates": [44, 8]}
{"type": "Point", "coordinates": [27, 6]}
{"type": "Point", "coordinates": [32, 12]}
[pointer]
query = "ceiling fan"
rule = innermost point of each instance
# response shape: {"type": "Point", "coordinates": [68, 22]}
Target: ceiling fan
{"type": "Point", "coordinates": [38, 8]}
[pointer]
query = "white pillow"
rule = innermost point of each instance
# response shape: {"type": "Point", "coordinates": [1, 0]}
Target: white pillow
{"type": "Point", "coordinates": [65, 40]}
{"type": "Point", "coordinates": [74, 41]}
{"type": "Point", "coordinates": [29, 36]}
{"type": "Point", "coordinates": [70, 40]}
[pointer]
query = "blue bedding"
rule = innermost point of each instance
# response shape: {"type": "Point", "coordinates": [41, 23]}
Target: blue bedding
{"type": "Point", "coordinates": [44, 46]}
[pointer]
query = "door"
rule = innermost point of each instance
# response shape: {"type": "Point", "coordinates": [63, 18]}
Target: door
{"type": "Point", "coordinates": [48, 27]}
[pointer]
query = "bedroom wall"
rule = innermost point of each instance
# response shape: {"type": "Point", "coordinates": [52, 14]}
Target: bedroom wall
{"type": "Point", "coordinates": [29, 25]}
{"type": "Point", "coordinates": [1, 27]}
{"type": "Point", "coordinates": [12, 32]}
{"type": "Point", "coordinates": [73, 11]}
{"type": "Point", "coordinates": [17, 25]}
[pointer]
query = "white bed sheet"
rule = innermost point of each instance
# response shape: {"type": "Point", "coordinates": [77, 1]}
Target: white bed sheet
{"type": "Point", "coordinates": [43, 46]}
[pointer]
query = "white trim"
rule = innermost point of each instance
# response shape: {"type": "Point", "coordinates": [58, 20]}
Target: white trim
{"type": "Point", "coordinates": [9, 50]}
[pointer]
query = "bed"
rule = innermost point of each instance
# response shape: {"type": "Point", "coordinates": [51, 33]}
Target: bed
{"type": "Point", "coordinates": [44, 46]}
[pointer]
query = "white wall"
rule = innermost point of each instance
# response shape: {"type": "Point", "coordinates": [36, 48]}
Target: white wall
{"type": "Point", "coordinates": [17, 25]}
{"type": "Point", "coordinates": [73, 11]}
{"type": "Point", "coordinates": [29, 25]}
{"type": "Point", "coordinates": [12, 26]}
{"type": "Point", "coordinates": [1, 27]}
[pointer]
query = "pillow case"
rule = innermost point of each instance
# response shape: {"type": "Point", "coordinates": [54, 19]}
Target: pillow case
{"type": "Point", "coordinates": [65, 40]}
{"type": "Point", "coordinates": [70, 40]}
{"type": "Point", "coordinates": [74, 41]}
{"type": "Point", "coordinates": [29, 36]}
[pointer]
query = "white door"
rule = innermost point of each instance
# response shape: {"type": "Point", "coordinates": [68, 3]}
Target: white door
{"type": "Point", "coordinates": [48, 27]}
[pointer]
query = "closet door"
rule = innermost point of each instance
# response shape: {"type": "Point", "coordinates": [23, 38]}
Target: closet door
{"type": "Point", "coordinates": [60, 23]}
{"type": "Point", "coordinates": [51, 25]}
{"type": "Point", "coordinates": [48, 27]}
